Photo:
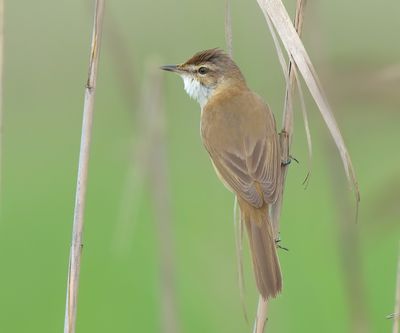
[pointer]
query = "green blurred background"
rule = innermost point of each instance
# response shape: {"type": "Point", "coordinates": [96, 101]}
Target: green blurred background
{"type": "Point", "coordinates": [355, 49]}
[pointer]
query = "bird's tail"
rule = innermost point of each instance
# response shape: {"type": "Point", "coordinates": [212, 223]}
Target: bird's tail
{"type": "Point", "coordinates": [263, 249]}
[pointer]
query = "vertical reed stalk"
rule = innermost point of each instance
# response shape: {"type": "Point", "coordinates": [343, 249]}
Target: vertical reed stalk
{"type": "Point", "coordinates": [228, 28]}
{"type": "Point", "coordinates": [161, 197]}
{"type": "Point", "coordinates": [1, 91]}
{"type": "Point", "coordinates": [286, 134]}
{"type": "Point", "coordinates": [237, 222]}
{"type": "Point", "coordinates": [396, 314]}
{"type": "Point", "coordinates": [77, 232]}
{"type": "Point", "coordinates": [262, 316]}
{"type": "Point", "coordinates": [276, 15]}
{"type": "Point", "coordinates": [286, 140]}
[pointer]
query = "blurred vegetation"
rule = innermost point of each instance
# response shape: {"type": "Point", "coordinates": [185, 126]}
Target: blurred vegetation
{"type": "Point", "coordinates": [47, 45]}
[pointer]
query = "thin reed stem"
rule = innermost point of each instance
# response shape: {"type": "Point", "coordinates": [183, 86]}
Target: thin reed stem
{"type": "Point", "coordinates": [238, 225]}
{"type": "Point", "coordinates": [261, 317]}
{"type": "Point", "coordinates": [286, 135]}
{"type": "Point", "coordinates": [228, 28]}
{"type": "Point", "coordinates": [396, 314]}
{"type": "Point", "coordinates": [275, 11]}
{"type": "Point", "coordinates": [161, 198]}
{"type": "Point", "coordinates": [286, 139]}
{"type": "Point", "coordinates": [77, 232]}
{"type": "Point", "coordinates": [1, 91]}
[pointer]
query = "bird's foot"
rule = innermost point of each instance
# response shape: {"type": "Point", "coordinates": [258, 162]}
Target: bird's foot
{"type": "Point", "coordinates": [289, 160]}
{"type": "Point", "coordinates": [279, 246]}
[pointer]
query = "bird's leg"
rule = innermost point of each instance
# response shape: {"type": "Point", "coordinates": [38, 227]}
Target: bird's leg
{"type": "Point", "coordinates": [289, 160]}
{"type": "Point", "coordinates": [282, 247]}
{"type": "Point", "coordinates": [277, 241]}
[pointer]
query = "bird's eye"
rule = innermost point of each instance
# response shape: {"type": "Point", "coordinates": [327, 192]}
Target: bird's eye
{"type": "Point", "coordinates": [203, 70]}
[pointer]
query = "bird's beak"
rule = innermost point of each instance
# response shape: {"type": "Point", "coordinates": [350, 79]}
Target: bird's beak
{"type": "Point", "coordinates": [171, 68]}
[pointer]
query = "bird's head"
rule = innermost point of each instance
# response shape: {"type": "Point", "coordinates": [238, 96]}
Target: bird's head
{"type": "Point", "coordinates": [205, 72]}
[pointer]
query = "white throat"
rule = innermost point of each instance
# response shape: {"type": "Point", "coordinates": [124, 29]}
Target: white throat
{"type": "Point", "coordinates": [196, 90]}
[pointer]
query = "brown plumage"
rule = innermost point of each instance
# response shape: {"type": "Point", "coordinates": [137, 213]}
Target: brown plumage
{"type": "Point", "coordinates": [212, 55]}
{"type": "Point", "coordinates": [238, 130]}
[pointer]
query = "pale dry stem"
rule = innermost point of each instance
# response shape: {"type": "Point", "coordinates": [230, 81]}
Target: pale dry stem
{"type": "Point", "coordinates": [161, 194]}
{"type": "Point", "coordinates": [77, 232]}
{"type": "Point", "coordinates": [396, 313]}
{"type": "Point", "coordinates": [276, 12]}
{"type": "Point", "coordinates": [286, 139]}
{"type": "Point", "coordinates": [228, 28]}
{"type": "Point", "coordinates": [1, 92]}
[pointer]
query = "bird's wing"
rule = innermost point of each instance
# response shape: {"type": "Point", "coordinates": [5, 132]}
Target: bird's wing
{"type": "Point", "coordinates": [252, 174]}
{"type": "Point", "coordinates": [240, 135]}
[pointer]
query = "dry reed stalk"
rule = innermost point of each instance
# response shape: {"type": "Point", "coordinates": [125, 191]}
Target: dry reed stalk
{"type": "Point", "coordinates": [275, 11]}
{"type": "Point", "coordinates": [277, 16]}
{"type": "Point", "coordinates": [238, 225]}
{"type": "Point", "coordinates": [396, 313]}
{"type": "Point", "coordinates": [77, 232]}
{"type": "Point", "coordinates": [228, 28]}
{"type": "Point", "coordinates": [286, 139]}
{"type": "Point", "coordinates": [286, 134]}
{"type": "Point", "coordinates": [1, 91]}
{"type": "Point", "coordinates": [161, 194]}
{"type": "Point", "coordinates": [262, 316]}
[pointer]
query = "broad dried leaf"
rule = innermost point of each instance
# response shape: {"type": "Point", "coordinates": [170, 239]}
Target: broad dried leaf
{"type": "Point", "coordinates": [278, 48]}
{"type": "Point", "coordinates": [276, 12]}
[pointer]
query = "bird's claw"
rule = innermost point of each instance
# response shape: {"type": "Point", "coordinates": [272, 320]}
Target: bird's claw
{"type": "Point", "coordinates": [289, 160]}
{"type": "Point", "coordinates": [277, 241]}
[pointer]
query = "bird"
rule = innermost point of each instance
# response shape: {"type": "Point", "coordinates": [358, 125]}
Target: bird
{"type": "Point", "coordinates": [239, 133]}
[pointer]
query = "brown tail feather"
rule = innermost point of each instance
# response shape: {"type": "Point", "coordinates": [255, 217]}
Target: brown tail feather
{"type": "Point", "coordinates": [263, 249]}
